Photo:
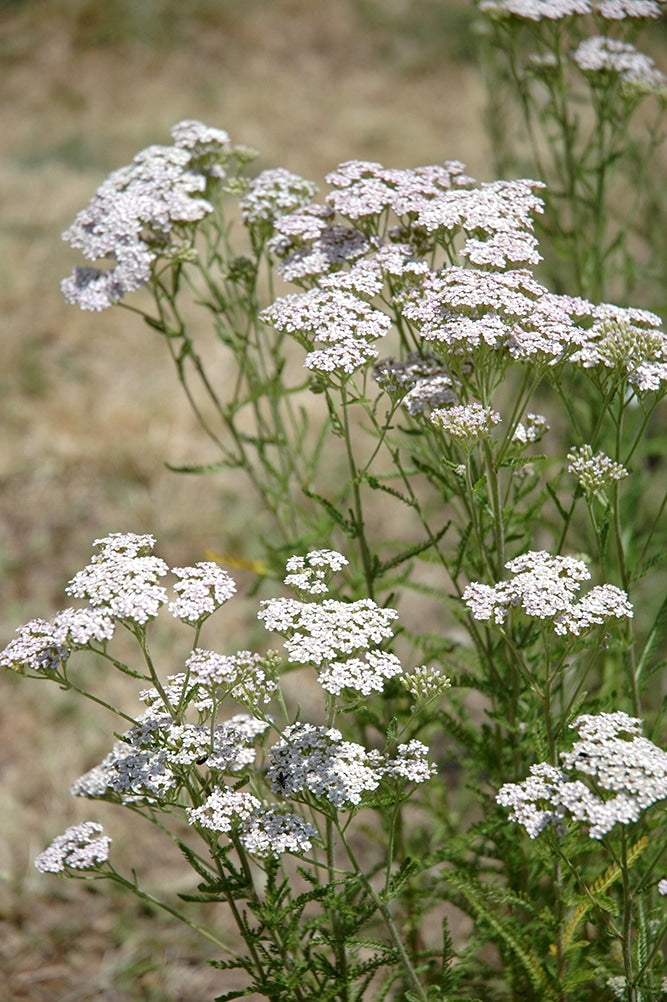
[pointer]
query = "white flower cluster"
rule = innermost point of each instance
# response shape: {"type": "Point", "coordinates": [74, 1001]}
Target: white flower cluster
{"type": "Point", "coordinates": [316, 760]}
{"type": "Point", "coordinates": [147, 763]}
{"type": "Point", "coordinates": [44, 645]}
{"type": "Point", "coordinates": [534, 428]}
{"type": "Point", "coordinates": [345, 325]}
{"type": "Point", "coordinates": [420, 382]}
{"type": "Point", "coordinates": [201, 590]}
{"type": "Point", "coordinates": [263, 831]}
{"type": "Point", "coordinates": [275, 193]}
{"type": "Point", "coordinates": [594, 471]}
{"type": "Point", "coordinates": [310, 575]}
{"type": "Point", "coordinates": [309, 244]}
{"type": "Point", "coordinates": [544, 586]}
{"type": "Point", "coordinates": [122, 577]}
{"type": "Point", "coordinates": [629, 774]}
{"type": "Point", "coordinates": [556, 10]}
{"type": "Point", "coordinates": [80, 847]}
{"type": "Point", "coordinates": [636, 72]}
{"type": "Point", "coordinates": [139, 212]}
{"type": "Point", "coordinates": [242, 675]}
{"type": "Point", "coordinates": [629, 340]}
{"type": "Point", "coordinates": [363, 675]}
{"type": "Point", "coordinates": [465, 421]}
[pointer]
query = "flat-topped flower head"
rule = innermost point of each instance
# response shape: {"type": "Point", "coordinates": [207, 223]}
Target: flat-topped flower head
{"type": "Point", "coordinates": [618, 10]}
{"type": "Point", "coordinates": [535, 10]}
{"type": "Point", "coordinates": [308, 244]}
{"type": "Point", "coordinates": [411, 763]}
{"type": "Point", "coordinates": [263, 831]}
{"type": "Point", "coordinates": [272, 194]}
{"type": "Point", "coordinates": [80, 847]}
{"type": "Point", "coordinates": [594, 471]}
{"type": "Point", "coordinates": [466, 422]}
{"type": "Point", "coordinates": [344, 324]}
{"type": "Point", "coordinates": [202, 589]}
{"type": "Point", "coordinates": [310, 575]}
{"type": "Point", "coordinates": [316, 760]}
{"type": "Point", "coordinates": [242, 676]}
{"type": "Point", "coordinates": [363, 675]}
{"type": "Point", "coordinates": [122, 578]}
{"type": "Point", "coordinates": [628, 773]}
{"type": "Point", "coordinates": [636, 72]}
{"type": "Point", "coordinates": [318, 632]}
{"type": "Point", "coordinates": [545, 587]}
{"type": "Point", "coordinates": [629, 341]}
{"type": "Point", "coordinates": [532, 429]}
{"type": "Point", "coordinates": [143, 211]}
{"type": "Point", "coordinates": [420, 382]}
{"type": "Point", "coordinates": [363, 190]}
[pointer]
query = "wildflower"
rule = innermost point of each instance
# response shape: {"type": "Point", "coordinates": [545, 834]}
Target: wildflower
{"type": "Point", "coordinates": [613, 753]}
{"type": "Point", "coordinates": [201, 590]}
{"type": "Point", "coordinates": [363, 189]}
{"type": "Point", "coordinates": [501, 211]}
{"type": "Point", "coordinates": [345, 324]}
{"type": "Point", "coordinates": [420, 382]}
{"type": "Point", "coordinates": [242, 675]}
{"type": "Point", "coordinates": [139, 212]}
{"type": "Point", "coordinates": [309, 245]}
{"type": "Point", "coordinates": [272, 194]}
{"type": "Point", "coordinates": [545, 586]}
{"type": "Point", "coordinates": [270, 832]}
{"type": "Point", "coordinates": [636, 72]}
{"type": "Point", "coordinates": [425, 684]}
{"type": "Point", "coordinates": [122, 578]}
{"type": "Point", "coordinates": [80, 847]}
{"type": "Point", "coordinates": [36, 649]}
{"type": "Point", "coordinates": [224, 809]}
{"type": "Point", "coordinates": [310, 574]}
{"type": "Point", "coordinates": [363, 675]}
{"type": "Point", "coordinates": [593, 470]}
{"type": "Point", "coordinates": [129, 774]}
{"type": "Point", "coordinates": [628, 340]}
{"type": "Point", "coordinates": [535, 427]}
{"type": "Point", "coordinates": [465, 421]}
{"type": "Point", "coordinates": [617, 985]}
{"type": "Point", "coordinates": [411, 763]}
{"type": "Point", "coordinates": [318, 632]}
{"type": "Point", "coordinates": [618, 10]}
{"type": "Point", "coordinates": [662, 886]}
{"type": "Point", "coordinates": [262, 831]}
{"type": "Point", "coordinates": [535, 10]}
{"type": "Point", "coordinates": [316, 760]}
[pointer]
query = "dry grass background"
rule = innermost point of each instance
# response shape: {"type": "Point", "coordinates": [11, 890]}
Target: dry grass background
{"type": "Point", "coordinates": [89, 406]}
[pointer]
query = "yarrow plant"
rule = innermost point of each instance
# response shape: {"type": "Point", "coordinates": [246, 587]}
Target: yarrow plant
{"type": "Point", "coordinates": [452, 463]}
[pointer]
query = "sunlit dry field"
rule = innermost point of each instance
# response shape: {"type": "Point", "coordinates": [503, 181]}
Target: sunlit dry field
{"type": "Point", "coordinates": [89, 406]}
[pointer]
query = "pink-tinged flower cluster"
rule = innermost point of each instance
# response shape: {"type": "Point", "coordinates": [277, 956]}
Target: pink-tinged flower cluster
{"type": "Point", "coordinates": [142, 211]}
{"type": "Point", "coordinates": [345, 326]}
{"type": "Point", "coordinates": [272, 194]}
{"type": "Point", "coordinates": [610, 776]}
{"type": "Point", "coordinates": [629, 341]}
{"type": "Point", "coordinates": [636, 72]}
{"type": "Point", "coordinates": [44, 645]}
{"type": "Point", "coordinates": [80, 847]}
{"type": "Point", "coordinates": [122, 578]}
{"type": "Point", "coordinates": [545, 587]}
{"type": "Point", "coordinates": [420, 383]}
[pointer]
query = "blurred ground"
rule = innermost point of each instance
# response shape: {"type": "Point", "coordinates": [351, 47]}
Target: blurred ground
{"type": "Point", "coordinates": [89, 406]}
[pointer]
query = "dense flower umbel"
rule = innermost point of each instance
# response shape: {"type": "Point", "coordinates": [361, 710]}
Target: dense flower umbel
{"type": "Point", "coordinates": [556, 10]}
{"type": "Point", "coordinates": [201, 590]}
{"type": "Point", "coordinates": [122, 578]}
{"type": "Point", "coordinates": [80, 847]}
{"type": "Point", "coordinates": [263, 831]}
{"type": "Point", "coordinates": [636, 72]}
{"type": "Point", "coordinates": [545, 586]}
{"type": "Point", "coordinates": [593, 470]}
{"type": "Point", "coordinates": [139, 213]}
{"type": "Point", "coordinates": [628, 771]}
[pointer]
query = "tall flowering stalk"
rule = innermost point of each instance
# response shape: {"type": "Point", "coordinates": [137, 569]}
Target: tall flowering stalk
{"type": "Point", "coordinates": [573, 101]}
{"type": "Point", "coordinates": [416, 451]}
